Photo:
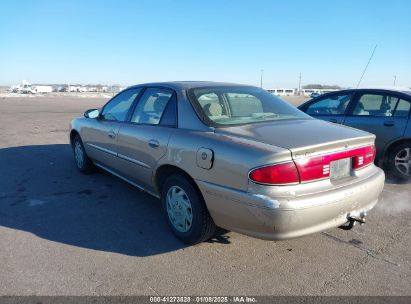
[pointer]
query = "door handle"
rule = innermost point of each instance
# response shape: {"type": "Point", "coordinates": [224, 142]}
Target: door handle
{"type": "Point", "coordinates": [153, 143]}
{"type": "Point", "coordinates": [111, 134]}
{"type": "Point", "coordinates": [333, 120]}
{"type": "Point", "coordinates": [389, 123]}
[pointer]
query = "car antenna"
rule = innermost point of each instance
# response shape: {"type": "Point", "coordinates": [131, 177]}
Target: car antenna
{"type": "Point", "coordinates": [366, 67]}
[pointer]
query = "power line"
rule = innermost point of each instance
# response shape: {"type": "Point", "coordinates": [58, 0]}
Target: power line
{"type": "Point", "coordinates": [369, 60]}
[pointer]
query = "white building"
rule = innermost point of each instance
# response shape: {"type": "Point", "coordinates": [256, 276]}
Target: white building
{"type": "Point", "coordinates": [308, 92]}
{"type": "Point", "coordinates": [304, 92]}
{"type": "Point", "coordinates": [283, 92]}
{"type": "Point", "coordinates": [91, 89]}
{"type": "Point", "coordinates": [116, 88]}
{"type": "Point", "coordinates": [77, 88]}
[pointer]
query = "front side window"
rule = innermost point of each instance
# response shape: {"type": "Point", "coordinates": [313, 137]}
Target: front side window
{"type": "Point", "coordinates": [118, 107]}
{"type": "Point", "coordinates": [151, 106]}
{"type": "Point", "coordinates": [219, 106]}
{"type": "Point", "coordinates": [330, 105]}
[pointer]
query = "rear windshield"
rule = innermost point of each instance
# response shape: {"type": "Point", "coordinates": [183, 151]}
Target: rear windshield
{"type": "Point", "coordinates": [222, 106]}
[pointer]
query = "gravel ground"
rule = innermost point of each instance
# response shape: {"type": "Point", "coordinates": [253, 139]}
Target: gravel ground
{"type": "Point", "coordinates": [63, 233]}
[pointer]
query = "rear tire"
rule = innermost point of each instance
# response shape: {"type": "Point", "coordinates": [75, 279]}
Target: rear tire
{"type": "Point", "coordinates": [185, 210]}
{"type": "Point", "coordinates": [83, 162]}
{"type": "Point", "coordinates": [399, 161]}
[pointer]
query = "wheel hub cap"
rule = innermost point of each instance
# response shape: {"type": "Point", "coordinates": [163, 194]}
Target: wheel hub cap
{"type": "Point", "coordinates": [78, 154]}
{"type": "Point", "coordinates": [403, 161]}
{"type": "Point", "coordinates": [179, 209]}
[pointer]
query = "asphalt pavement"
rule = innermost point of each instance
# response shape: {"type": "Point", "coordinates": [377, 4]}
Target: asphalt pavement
{"type": "Point", "coordinates": [64, 233]}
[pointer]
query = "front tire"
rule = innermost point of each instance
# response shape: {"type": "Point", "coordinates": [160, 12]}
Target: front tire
{"type": "Point", "coordinates": [399, 161]}
{"type": "Point", "coordinates": [83, 162]}
{"type": "Point", "coordinates": [185, 210]}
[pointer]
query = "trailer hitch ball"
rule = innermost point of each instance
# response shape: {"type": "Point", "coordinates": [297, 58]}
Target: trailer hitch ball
{"type": "Point", "coordinates": [360, 219]}
{"type": "Point", "coordinates": [352, 220]}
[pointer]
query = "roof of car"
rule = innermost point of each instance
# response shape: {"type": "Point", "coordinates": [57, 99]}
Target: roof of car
{"type": "Point", "coordinates": [189, 84]}
{"type": "Point", "coordinates": [403, 90]}
{"type": "Point", "coordinates": [387, 88]}
{"type": "Point", "coordinates": [380, 88]}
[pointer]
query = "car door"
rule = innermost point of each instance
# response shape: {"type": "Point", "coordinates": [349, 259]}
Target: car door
{"type": "Point", "coordinates": [100, 135]}
{"type": "Point", "coordinates": [381, 113]}
{"type": "Point", "coordinates": [331, 107]}
{"type": "Point", "coordinates": [144, 139]}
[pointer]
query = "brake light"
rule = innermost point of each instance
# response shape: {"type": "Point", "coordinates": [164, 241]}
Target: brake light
{"type": "Point", "coordinates": [364, 158]}
{"type": "Point", "coordinates": [280, 174]}
{"type": "Point", "coordinates": [318, 167]}
{"type": "Point", "coordinates": [311, 168]}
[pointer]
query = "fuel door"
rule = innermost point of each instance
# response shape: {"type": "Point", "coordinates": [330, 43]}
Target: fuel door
{"type": "Point", "coordinates": [205, 158]}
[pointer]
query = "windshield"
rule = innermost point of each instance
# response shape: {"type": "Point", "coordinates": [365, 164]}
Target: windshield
{"type": "Point", "coordinates": [220, 106]}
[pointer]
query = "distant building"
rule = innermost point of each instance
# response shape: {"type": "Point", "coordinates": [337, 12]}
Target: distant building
{"type": "Point", "coordinates": [308, 92]}
{"type": "Point", "coordinates": [283, 92]}
{"type": "Point", "coordinates": [26, 87]}
{"type": "Point", "coordinates": [304, 92]}
{"type": "Point", "coordinates": [116, 88]}
{"type": "Point", "coordinates": [91, 89]}
{"type": "Point", "coordinates": [77, 88]}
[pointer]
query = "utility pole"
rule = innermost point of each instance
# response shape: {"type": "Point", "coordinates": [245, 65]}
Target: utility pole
{"type": "Point", "coordinates": [395, 79]}
{"type": "Point", "coordinates": [261, 78]}
{"type": "Point", "coordinates": [299, 85]}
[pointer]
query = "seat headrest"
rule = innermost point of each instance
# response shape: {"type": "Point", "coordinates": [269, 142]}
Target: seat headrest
{"type": "Point", "coordinates": [213, 109]}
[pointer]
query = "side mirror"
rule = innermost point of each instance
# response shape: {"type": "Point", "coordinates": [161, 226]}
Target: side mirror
{"type": "Point", "coordinates": [92, 113]}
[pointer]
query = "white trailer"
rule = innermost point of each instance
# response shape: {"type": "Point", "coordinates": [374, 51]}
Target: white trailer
{"type": "Point", "coordinates": [42, 89]}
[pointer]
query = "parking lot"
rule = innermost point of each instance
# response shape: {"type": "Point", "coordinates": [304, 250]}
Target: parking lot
{"type": "Point", "coordinates": [63, 233]}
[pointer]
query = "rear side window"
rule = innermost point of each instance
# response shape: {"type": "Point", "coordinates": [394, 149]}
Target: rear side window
{"type": "Point", "coordinates": [375, 105]}
{"type": "Point", "coordinates": [403, 108]}
{"type": "Point", "coordinates": [330, 105]}
{"type": "Point", "coordinates": [151, 106]}
{"type": "Point", "coordinates": [380, 105]}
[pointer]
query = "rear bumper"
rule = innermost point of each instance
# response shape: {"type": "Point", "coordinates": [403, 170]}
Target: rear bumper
{"type": "Point", "coordinates": [273, 216]}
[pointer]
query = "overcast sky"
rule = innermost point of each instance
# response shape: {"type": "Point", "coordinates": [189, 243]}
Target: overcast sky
{"type": "Point", "coordinates": [129, 42]}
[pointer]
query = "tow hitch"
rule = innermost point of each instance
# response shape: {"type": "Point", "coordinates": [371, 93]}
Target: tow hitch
{"type": "Point", "coordinates": [354, 219]}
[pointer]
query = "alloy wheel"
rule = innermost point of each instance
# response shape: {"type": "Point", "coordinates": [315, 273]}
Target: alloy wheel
{"type": "Point", "coordinates": [403, 161]}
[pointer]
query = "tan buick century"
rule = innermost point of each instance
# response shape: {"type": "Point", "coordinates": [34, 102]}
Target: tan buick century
{"type": "Point", "coordinates": [233, 156]}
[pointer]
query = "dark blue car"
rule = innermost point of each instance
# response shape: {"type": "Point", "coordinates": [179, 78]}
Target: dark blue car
{"type": "Point", "coordinates": [385, 113]}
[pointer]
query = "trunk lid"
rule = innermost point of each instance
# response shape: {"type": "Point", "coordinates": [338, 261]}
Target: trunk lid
{"type": "Point", "coordinates": [303, 137]}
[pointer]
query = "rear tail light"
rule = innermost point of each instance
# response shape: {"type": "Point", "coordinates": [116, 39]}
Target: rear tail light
{"type": "Point", "coordinates": [311, 168]}
{"type": "Point", "coordinates": [364, 158]}
{"type": "Point", "coordinates": [280, 174]}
